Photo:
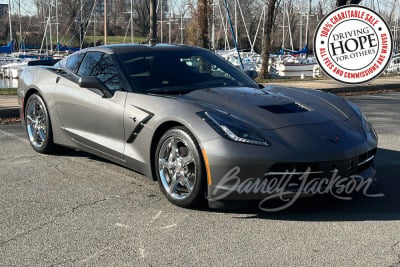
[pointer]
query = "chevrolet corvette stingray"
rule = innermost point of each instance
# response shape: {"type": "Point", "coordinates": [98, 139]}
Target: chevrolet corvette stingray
{"type": "Point", "coordinates": [185, 117]}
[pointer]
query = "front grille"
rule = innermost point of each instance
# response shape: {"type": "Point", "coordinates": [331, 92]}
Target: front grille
{"type": "Point", "coordinates": [325, 169]}
{"type": "Point", "coordinates": [366, 160]}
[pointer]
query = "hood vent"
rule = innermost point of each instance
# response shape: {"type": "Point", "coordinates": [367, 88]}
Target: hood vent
{"type": "Point", "coordinates": [285, 108]}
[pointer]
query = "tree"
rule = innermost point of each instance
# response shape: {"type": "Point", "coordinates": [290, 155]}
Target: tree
{"type": "Point", "coordinates": [203, 11]}
{"type": "Point", "coordinates": [141, 19]}
{"type": "Point", "coordinates": [346, 2]}
{"type": "Point", "coordinates": [269, 22]}
{"type": "Point", "coordinates": [153, 22]}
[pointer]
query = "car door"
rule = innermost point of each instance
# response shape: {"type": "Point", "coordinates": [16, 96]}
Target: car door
{"type": "Point", "coordinates": [93, 121]}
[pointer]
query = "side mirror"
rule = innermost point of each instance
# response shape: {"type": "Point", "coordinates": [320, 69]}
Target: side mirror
{"type": "Point", "coordinates": [59, 70]}
{"type": "Point", "coordinates": [95, 83]}
{"type": "Point", "coordinates": [251, 73]}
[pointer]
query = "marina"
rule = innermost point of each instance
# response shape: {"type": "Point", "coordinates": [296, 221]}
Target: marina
{"type": "Point", "coordinates": [8, 83]}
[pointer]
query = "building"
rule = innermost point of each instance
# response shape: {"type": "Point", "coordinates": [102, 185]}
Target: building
{"type": "Point", "coordinates": [99, 8]}
{"type": "Point", "coordinates": [3, 10]}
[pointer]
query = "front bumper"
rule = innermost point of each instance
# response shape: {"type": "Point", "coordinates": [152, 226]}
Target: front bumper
{"type": "Point", "coordinates": [248, 172]}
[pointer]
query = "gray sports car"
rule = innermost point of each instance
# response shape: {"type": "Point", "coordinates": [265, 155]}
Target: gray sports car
{"type": "Point", "coordinates": [187, 118]}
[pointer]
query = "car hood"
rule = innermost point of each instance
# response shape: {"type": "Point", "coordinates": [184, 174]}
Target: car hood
{"type": "Point", "coordinates": [272, 107]}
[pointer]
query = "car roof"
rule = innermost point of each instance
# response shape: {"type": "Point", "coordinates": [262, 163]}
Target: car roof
{"type": "Point", "coordinates": [125, 48]}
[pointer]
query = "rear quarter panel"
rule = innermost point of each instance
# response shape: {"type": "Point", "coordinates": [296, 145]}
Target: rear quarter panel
{"type": "Point", "coordinates": [43, 80]}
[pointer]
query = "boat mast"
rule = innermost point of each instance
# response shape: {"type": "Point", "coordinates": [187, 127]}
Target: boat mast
{"type": "Point", "coordinates": [49, 22]}
{"type": "Point", "coordinates": [213, 27]}
{"type": "Point", "coordinates": [301, 27]}
{"type": "Point", "coordinates": [224, 25]}
{"type": "Point", "coordinates": [236, 21]}
{"type": "Point", "coordinates": [57, 22]}
{"type": "Point", "coordinates": [182, 27]}
{"type": "Point", "coordinates": [161, 21]}
{"type": "Point", "coordinates": [20, 23]}
{"type": "Point", "coordinates": [170, 21]}
{"type": "Point", "coordinates": [263, 30]}
{"type": "Point", "coordinates": [105, 22]}
{"type": "Point", "coordinates": [132, 21]}
{"type": "Point", "coordinates": [289, 28]}
{"type": "Point", "coordinates": [252, 43]}
{"type": "Point", "coordinates": [94, 22]}
{"type": "Point", "coordinates": [81, 27]}
{"type": "Point", "coordinates": [283, 26]}
{"type": "Point", "coordinates": [45, 30]}
{"type": "Point", "coordinates": [233, 34]}
{"type": "Point", "coordinates": [44, 40]}
{"type": "Point", "coordinates": [153, 22]}
{"type": "Point", "coordinates": [9, 18]}
{"type": "Point", "coordinates": [396, 27]}
{"type": "Point", "coordinates": [307, 21]}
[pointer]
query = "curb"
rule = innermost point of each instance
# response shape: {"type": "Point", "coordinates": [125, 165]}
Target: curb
{"type": "Point", "coordinates": [344, 89]}
{"type": "Point", "coordinates": [6, 113]}
{"type": "Point", "coordinates": [360, 89]}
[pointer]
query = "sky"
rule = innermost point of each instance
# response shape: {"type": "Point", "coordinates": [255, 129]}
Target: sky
{"type": "Point", "coordinates": [27, 6]}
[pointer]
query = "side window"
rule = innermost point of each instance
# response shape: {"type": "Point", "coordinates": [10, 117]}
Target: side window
{"type": "Point", "coordinates": [101, 66]}
{"type": "Point", "coordinates": [89, 63]}
{"type": "Point", "coordinates": [107, 73]}
{"type": "Point", "coordinates": [73, 61]}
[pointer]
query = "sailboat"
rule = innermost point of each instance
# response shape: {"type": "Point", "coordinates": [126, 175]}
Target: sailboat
{"type": "Point", "coordinates": [292, 63]}
{"type": "Point", "coordinates": [7, 49]}
{"type": "Point", "coordinates": [295, 61]}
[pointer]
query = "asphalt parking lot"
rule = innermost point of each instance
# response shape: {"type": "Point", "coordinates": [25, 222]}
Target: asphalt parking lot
{"type": "Point", "coordinates": [76, 209]}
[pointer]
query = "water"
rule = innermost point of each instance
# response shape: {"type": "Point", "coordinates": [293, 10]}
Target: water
{"type": "Point", "coordinates": [8, 83]}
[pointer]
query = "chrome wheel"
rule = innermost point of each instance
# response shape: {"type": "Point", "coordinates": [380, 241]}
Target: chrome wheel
{"type": "Point", "coordinates": [38, 125]}
{"type": "Point", "coordinates": [177, 168]}
{"type": "Point", "coordinates": [36, 122]}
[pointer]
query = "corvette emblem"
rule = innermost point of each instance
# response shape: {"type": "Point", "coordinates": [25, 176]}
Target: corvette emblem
{"type": "Point", "coordinates": [335, 140]}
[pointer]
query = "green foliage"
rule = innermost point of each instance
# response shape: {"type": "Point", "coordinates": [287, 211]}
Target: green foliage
{"type": "Point", "coordinates": [116, 39]}
{"type": "Point", "coordinates": [8, 91]}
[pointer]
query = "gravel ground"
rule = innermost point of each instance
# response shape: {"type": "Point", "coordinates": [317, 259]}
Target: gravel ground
{"type": "Point", "coordinates": [74, 209]}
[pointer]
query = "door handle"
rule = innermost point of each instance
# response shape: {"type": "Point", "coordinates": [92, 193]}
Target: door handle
{"type": "Point", "coordinates": [58, 79]}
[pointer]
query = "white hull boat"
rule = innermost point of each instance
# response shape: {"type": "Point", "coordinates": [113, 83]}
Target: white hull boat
{"type": "Point", "coordinates": [13, 70]}
{"type": "Point", "coordinates": [295, 64]}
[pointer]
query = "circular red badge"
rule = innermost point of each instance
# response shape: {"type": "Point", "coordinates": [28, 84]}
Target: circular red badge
{"type": "Point", "coordinates": [353, 44]}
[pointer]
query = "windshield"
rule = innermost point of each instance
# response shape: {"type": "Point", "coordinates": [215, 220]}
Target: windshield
{"type": "Point", "coordinates": [180, 71]}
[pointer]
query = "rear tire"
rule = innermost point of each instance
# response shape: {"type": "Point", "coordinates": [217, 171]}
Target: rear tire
{"type": "Point", "coordinates": [179, 168]}
{"type": "Point", "coordinates": [38, 125]}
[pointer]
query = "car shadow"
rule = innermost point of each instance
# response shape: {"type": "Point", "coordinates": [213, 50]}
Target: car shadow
{"type": "Point", "coordinates": [62, 151]}
{"type": "Point", "coordinates": [322, 208]}
{"type": "Point", "coordinates": [360, 208]}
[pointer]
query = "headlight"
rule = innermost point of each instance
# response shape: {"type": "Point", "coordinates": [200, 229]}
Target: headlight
{"type": "Point", "coordinates": [365, 122]}
{"type": "Point", "coordinates": [368, 126]}
{"type": "Point", "coordinates": [232, 128]}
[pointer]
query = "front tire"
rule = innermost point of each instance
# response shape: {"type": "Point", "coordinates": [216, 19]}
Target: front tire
{"type": "Point", "coordinates": [179, 168]}
{"type": "Point", "coordinates": [38, 126]}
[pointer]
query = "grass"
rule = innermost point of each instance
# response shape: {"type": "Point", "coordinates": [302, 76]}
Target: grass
{"type": "Point", "coordinates": [8, 91]}
{"type": "Point", "coordinates": [116, 39]}
{"type": "Point", "coordinates": [110, 40]}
